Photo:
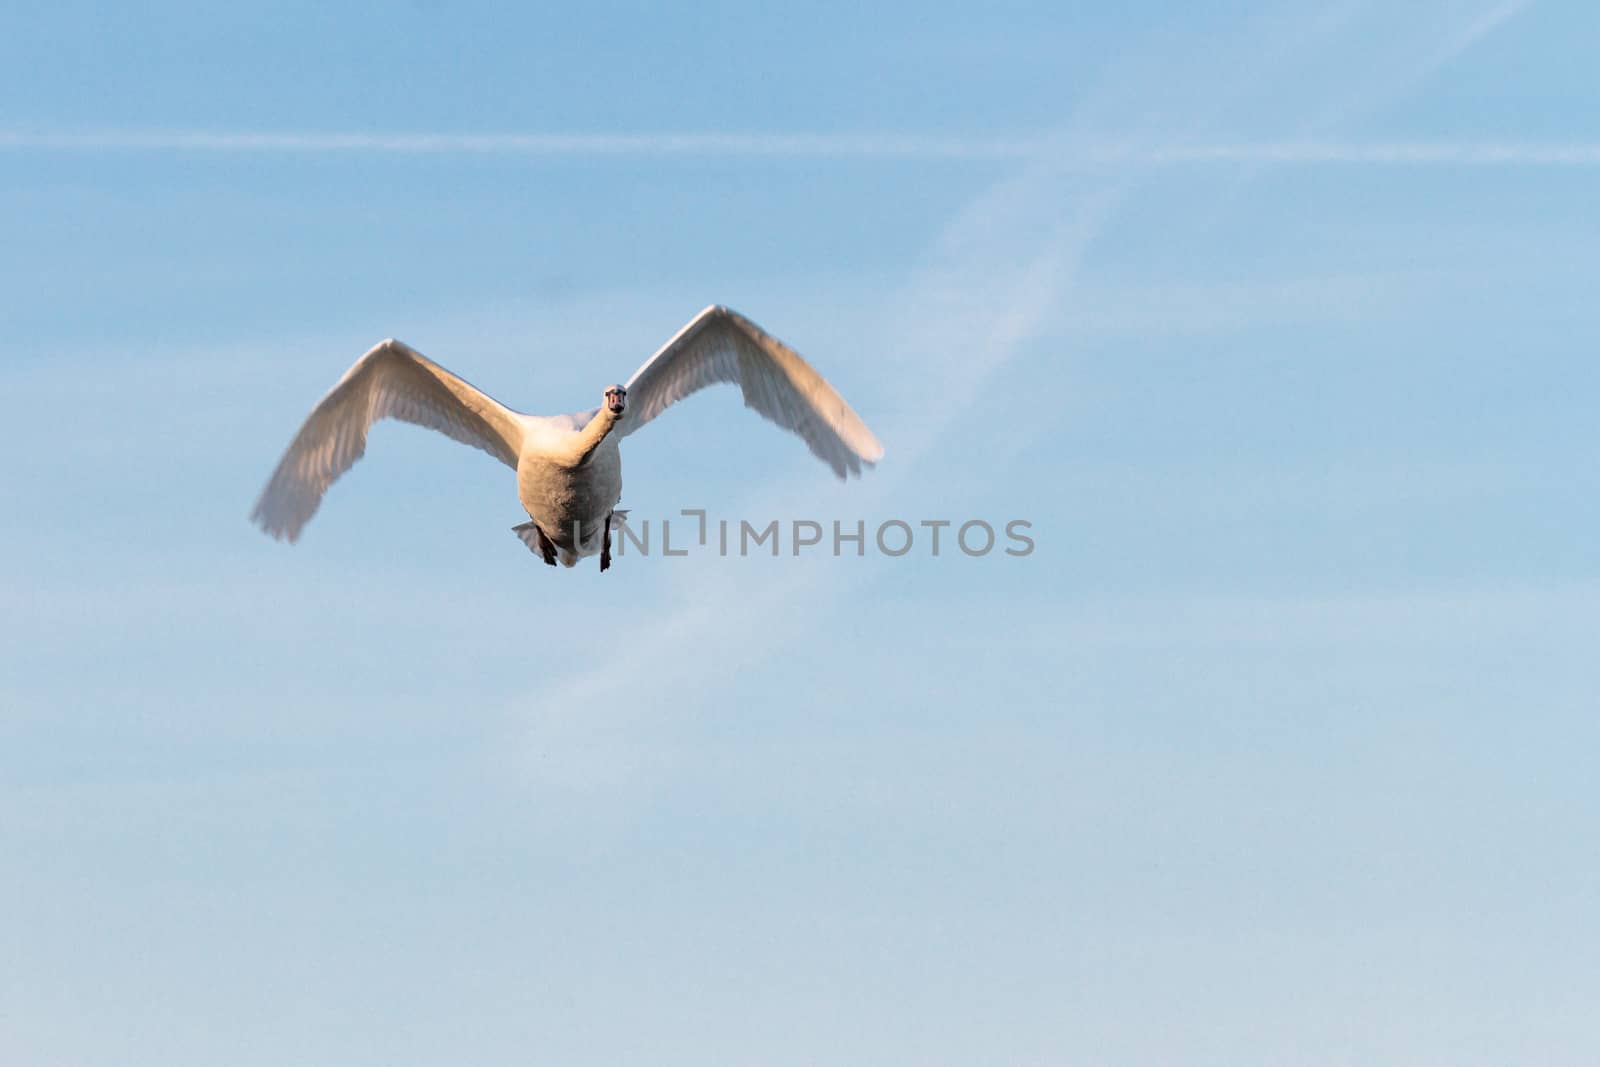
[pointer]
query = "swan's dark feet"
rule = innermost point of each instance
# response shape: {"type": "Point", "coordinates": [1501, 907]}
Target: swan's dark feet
{"type": "Point", "coordinates": [547, 549]}
{"type": "Point", "coordinates": [605, 547]}
{"type": "Point", "coordinates": [530, 534]}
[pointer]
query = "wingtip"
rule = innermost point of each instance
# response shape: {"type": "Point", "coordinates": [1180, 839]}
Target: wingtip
{"type": "Point", "coordinates": [259, 520]}
{"type": "Point", "coordinates": [277, 535]}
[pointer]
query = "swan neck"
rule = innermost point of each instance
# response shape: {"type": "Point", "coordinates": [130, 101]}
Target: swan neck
{"type": "Point", "coordinates": [590, 437]}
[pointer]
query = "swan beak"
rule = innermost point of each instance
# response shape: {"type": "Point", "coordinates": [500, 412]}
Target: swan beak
{"type": "Point", "coordinates": [617, 402]}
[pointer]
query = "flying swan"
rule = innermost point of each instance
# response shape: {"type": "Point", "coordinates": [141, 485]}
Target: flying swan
{"type": "Point", "coordinates": [569, 467]}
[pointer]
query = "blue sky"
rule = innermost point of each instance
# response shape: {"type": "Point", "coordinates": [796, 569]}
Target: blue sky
{"type": "Point", "coordinates": [1273, 320]}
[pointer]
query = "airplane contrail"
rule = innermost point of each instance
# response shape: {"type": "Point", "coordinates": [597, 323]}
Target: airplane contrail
{"type": "Point", "coordinates": [1062, 152]}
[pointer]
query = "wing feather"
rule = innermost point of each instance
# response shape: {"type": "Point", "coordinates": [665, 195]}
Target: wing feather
{"type": "Point", "coordinates": [721, 345]}
{"type": "Point", "coordinates": [394, 381]}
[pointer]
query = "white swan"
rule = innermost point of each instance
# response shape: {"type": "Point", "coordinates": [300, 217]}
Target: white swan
{"type": "Point", "coordinates": [569, 468]}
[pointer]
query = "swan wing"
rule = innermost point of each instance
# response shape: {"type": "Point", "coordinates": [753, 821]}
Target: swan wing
{"type": "Point", "coordinates": [721, 345]}
{"type": "Point", "coordinates": [392, 380]}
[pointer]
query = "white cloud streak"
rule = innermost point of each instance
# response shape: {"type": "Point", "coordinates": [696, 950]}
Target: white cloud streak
{"type": "Point", "coordinates": [994, 279]}
{"type": "Point", "coordinates": [1476, 29]}
{"type": "Point", "coordinates": [1057, 152]}
{"type": "Point", "coordinates": [522, 144]}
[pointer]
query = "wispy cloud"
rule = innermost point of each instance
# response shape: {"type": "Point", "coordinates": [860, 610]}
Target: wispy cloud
{"type": "Point", "coordinates": [1056, 151]}
{"type": "Point", "coordinates": [995, 278]}
{"type": "Point", "coordinates": [1389, 153]}
{"type": "Point", "coordinates": [525, 144]}
{"type": "Point", "coordinates": [1475, 29]}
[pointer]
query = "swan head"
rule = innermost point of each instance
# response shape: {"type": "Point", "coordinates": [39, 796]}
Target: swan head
{"type": "Point", "coordinates": [616, 400]}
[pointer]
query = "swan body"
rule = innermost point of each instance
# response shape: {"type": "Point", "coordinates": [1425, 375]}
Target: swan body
{"type": "Point", "coordinates": [569, 467]}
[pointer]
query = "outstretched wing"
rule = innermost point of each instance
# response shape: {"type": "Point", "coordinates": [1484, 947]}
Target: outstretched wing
{"type": "Point", "coordinates": [392, 380]}
{"type": "Point", "coordinates": [721, 345]}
